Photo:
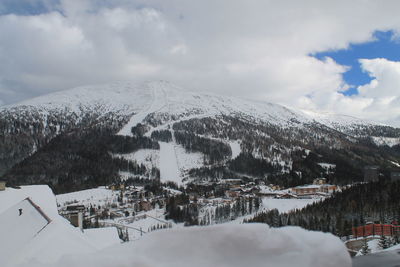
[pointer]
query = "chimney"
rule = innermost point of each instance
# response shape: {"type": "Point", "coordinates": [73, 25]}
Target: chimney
{"type": "Point", "coordinates": [80, 220]}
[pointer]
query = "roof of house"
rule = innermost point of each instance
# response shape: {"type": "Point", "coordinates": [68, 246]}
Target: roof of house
{"type": "Point", "coordinates": [310, 186]}
{"type": "Point", "coordinates": [37, 232]}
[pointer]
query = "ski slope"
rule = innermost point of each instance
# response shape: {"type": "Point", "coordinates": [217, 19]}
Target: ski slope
{"type": "Point", "coordinates": [169, 170]}
{"type": "Point", "coordinates": [156, 101]}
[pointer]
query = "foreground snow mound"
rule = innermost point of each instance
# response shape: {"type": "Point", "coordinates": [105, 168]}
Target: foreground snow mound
{"type": "Point", "coordinates": [223, 245]}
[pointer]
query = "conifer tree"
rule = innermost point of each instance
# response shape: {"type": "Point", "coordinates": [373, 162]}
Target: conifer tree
{"type": "Point", "coordinates": [365, 248]}
{"type": "Point", "coordinates": [384, 242]}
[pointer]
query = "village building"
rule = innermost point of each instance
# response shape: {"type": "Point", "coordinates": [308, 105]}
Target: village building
{"type": "Point", "coordinates": [2, 185]}
{"type": "Point", "coordinates": [306, 189]}
{"type": "Point", "coordinates": [275, 187]}
{"type": "Point", "coordinates": [117, 187]}
{"type": "Point", "coordinates": [319, 181]}
{"type": "Point", "coordinates": [74, 214]}
{"type": "Point", "coordinates": [286, 196]}
{"type": "Point", "coordinates": [328, 188]}
{"type": "Point", "coordinates": [314, 189]}
{"type": "Point", "coordinates": [232, 193]}
{"type": "Point", "coordinates": [145, 205]}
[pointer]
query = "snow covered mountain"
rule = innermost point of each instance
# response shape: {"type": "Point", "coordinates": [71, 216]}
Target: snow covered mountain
{"type": "Point", "coordinates": [166, 131]}
{"type": "Point", "coordinates": [138, 101]}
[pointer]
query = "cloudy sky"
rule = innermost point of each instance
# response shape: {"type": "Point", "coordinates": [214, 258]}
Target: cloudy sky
{"type": "Point", "coordinates": [327, 56]}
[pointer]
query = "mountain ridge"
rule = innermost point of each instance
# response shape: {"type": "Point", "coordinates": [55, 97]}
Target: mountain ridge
{"type": "Point", "coordinates": [120, 93]}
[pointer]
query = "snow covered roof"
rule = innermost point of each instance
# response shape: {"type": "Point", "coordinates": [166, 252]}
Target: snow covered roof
{"type": "Point", "coordinates": [308, 186]}
{"type": "Point", "coordinates": [41, 195]}
{"type": "Point", "coordinates": [32, 230]}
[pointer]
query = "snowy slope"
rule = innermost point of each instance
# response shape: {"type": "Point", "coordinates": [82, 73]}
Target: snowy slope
{"type": "Point", "coordinates": [335, 120]}
{"type": "Point", "coordinates": [156, 97]}
{"type": "Point", "coordinates": [115, 97]}
{"type": "Point", "coordinates": [172, 103]}
{"type": "Point", "coordinates": [95, 196]}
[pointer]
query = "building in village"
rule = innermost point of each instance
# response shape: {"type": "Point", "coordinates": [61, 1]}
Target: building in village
{"type": "Point", "coordinates": [2, 185]}
{"type": "Point", "coordinates": [74, 214]}
{"type": "Point", "coordinates": [306, 189]}
{"type": "Point", "coordinates": [319, 181]}
{"type": "Point", "coordinates": [313, 189]}
{"type": "Point", "coordinates": [145, 205]}
{"type": "Point", "coordinates": [286, 196]}
{"type": "Point", "coordinates": [233, 193]}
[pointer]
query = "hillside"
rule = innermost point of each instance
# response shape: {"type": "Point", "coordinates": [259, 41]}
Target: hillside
{"type": "Point", "coordinates": [97, 135]}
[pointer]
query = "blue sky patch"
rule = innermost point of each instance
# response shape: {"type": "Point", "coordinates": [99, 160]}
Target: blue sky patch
{"type": "Point", "coordinates": [25, 7]}
{"type": "Point", "coordinates": [384, 46]}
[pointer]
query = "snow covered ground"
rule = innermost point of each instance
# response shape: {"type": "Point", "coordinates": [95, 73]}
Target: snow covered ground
{"type": "Point", "coordinates": [148, 157]}
{"type": "Point", "coordinates": [285, 205]}
{"type": "Point", "coordinates": [103, 237]}
{"type": "Point", "coordinates": [222, 246]}
{"type": "Point", "coordinates": [95, 196]}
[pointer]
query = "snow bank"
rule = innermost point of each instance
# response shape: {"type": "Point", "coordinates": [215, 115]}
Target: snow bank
{"type": "Point", "coordinates": [103, 237]}
{"type": "Point", "coordinates": [222, 246]}
{"type": "Point", "coordinates": [395, 247]}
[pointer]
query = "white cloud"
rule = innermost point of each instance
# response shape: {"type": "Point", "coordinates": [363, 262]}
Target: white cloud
{"type": "Point", "coordinates": [254, 48]}
{"type": "Point", "coordinates": [383, 91]}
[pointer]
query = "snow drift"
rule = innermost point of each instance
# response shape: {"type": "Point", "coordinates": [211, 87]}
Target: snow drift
{"type": "Point", "coordinates": [223, 245]}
